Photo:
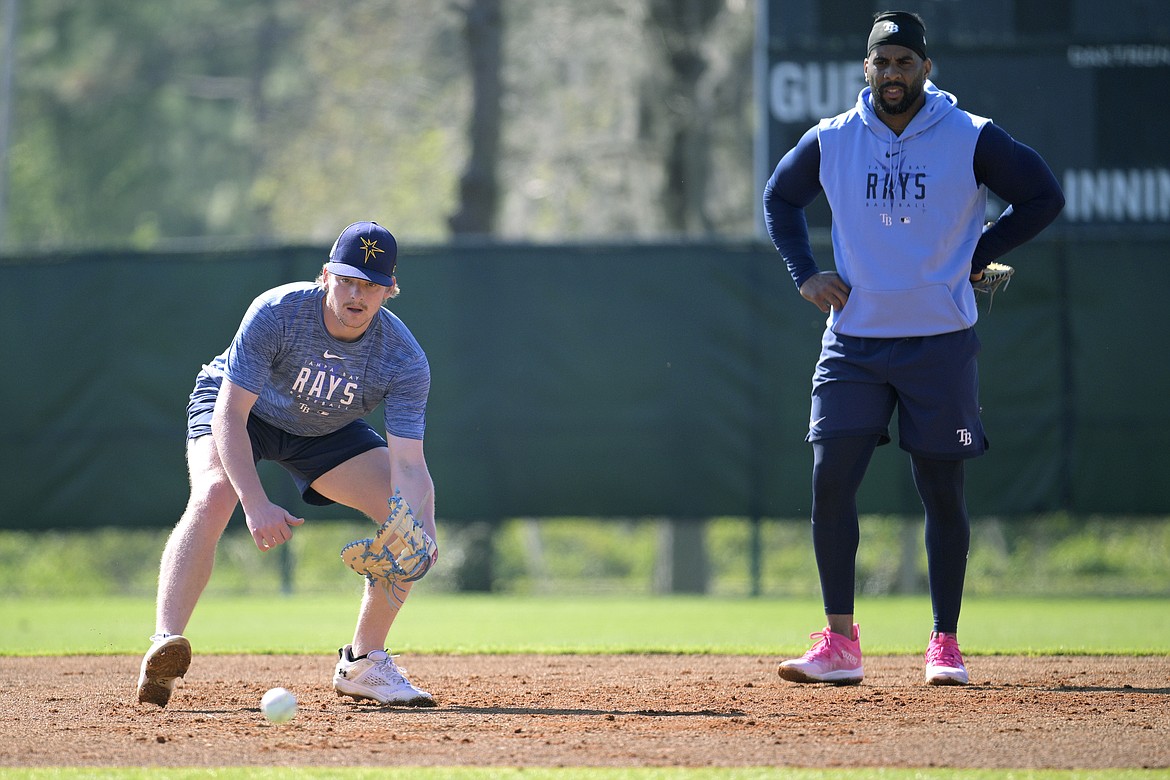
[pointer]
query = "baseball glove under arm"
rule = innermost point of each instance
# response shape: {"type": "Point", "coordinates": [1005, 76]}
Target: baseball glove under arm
{"type": "Point", "coordinates": [995, 276]}
{"type": "Point", "coordinates": [400, 552]}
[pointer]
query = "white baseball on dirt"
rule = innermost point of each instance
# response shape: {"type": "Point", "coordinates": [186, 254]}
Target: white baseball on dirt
{"type": "Point", "coordinates": [278, 705]}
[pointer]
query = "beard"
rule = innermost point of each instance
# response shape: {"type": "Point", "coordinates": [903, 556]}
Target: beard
{"type": "Point", "coordinates": [910, 93]}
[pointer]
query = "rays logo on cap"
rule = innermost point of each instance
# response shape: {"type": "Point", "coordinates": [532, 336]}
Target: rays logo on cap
{"type": "Point", "coordinates": [890, 27]}
{"type": "Point", "coordinates": [370, 247]}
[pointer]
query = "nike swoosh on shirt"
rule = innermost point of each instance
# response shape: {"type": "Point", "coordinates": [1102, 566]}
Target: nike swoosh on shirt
{"type": "Point", "coordinates": [330, 356]}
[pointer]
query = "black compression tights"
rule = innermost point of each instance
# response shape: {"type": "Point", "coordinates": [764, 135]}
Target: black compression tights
{"type": "Point", "coordinates": [838, 468]}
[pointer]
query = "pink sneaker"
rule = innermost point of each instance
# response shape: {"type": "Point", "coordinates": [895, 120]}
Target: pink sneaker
{"type": "Point", "coordinates": [834, 658]}
{"type": "Point", "coordinates": [944, 662]}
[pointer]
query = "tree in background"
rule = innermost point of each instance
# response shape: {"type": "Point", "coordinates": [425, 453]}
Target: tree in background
{"type": "Point", "coordinates": [673, 118]}
{"type": "Point", "coordinates": [377, 129]}
{"type": "Point", "coordinates": [479, 185]}
{"type": "Point", "coordinates": [599, 129]}
{"type": "Point", "coordinates": [138, 124]}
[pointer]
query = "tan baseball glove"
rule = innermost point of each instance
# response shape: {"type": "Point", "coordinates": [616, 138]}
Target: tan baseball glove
{"type": "Point", "coordinates": [401, 551]}
{"type": "Point", "coordinates": [995, 276]}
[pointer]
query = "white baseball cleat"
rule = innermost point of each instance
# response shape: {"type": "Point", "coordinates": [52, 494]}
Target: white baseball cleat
{"type": "Point", "coordinates": [376, 676]}
{"type": "Point", "coordinates": [164, 663]}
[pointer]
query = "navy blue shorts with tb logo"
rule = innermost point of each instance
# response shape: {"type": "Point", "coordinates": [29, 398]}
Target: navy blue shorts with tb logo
{"type": "Point", "coordinates": [933, 382]}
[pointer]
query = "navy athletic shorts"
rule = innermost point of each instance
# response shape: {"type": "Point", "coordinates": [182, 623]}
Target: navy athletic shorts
{"type": "Point", "coordinates": [933, 382]}
{"type": "Point", "coordinates": [304, 457]}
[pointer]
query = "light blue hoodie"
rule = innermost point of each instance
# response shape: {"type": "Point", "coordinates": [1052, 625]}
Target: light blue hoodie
{"type": "Point", "coordinates": [907, 214]}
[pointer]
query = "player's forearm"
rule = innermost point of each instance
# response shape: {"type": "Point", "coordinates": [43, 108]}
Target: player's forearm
{"type": "Point", "coordinates": [1018, 224]}
{"type": "Point", "coordinates": [235, 452]}
{"type": "Point", "coordinates": [789, 231]}
{"type": "Point", "coordinates": [414, 482]}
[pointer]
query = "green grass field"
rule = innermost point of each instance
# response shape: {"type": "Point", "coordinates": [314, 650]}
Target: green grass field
{"type": "Point", "coordinates": [456, 623]}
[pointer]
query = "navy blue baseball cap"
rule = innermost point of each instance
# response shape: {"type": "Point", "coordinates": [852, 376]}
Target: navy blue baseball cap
{"type": "Point", "coordinates": [365, 250]}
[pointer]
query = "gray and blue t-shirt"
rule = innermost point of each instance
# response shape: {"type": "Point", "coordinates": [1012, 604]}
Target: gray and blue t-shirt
{"type": "Point", "coordinates": [311, 384]}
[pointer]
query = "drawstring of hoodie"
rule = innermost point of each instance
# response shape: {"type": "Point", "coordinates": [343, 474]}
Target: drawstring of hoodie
{"type": "Point", "coordinates": [892, 156]}
{"type": "Point", "coordinates": [901, 158]}
{"type": "Point", "coordinates": [895, 169]}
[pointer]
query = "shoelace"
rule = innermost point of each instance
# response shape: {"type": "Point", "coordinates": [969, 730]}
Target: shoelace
{"type": "Point", "coordinates": [944, 651]}
{"type": "Point", "coordinates": [822, 644]}
{"type": "Point", "coordinates": [392, 670]}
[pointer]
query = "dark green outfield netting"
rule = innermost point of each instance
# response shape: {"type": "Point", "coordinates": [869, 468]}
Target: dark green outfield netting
{"type": "Point", "coordinates": [622, 381]}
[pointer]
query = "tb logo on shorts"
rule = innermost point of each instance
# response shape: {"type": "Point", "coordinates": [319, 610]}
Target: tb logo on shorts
{"type": "Point", "coordinates": [964, 437]}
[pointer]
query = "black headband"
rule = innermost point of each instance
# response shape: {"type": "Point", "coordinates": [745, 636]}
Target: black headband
{"type": "Point", "coordinates": [898, 28]}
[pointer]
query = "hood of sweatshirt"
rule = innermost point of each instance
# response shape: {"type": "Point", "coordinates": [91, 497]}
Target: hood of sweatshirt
{"type": "Point", "coordinates": [938, 104]}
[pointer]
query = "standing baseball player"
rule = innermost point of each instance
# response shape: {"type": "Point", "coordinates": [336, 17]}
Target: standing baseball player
{"type": "Point", "coordinates": [309, 361]}
{"type": "Point", "coordinates": [906, 174]}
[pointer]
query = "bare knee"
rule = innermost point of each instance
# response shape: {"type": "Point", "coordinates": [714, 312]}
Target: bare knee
{"type": "Point", "coordinates": [211, 504]}
{"type": "Point", "coordinates": [212, 499]}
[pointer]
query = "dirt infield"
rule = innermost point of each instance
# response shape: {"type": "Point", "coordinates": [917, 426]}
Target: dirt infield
{"type": "Point", "coordinates": [652, 710]}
